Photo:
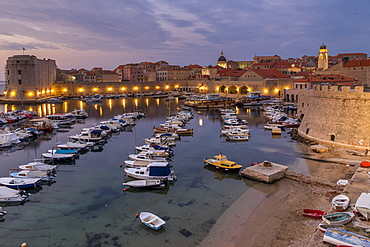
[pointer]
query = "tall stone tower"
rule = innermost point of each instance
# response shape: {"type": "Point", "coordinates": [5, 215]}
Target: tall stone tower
{"type": "Point", "coordinates": [323, 58]}
{"type": "Point", "coordinates": [28, 77]}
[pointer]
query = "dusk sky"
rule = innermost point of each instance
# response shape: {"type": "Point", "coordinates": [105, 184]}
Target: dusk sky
{"type": "Point", "coordinates": [96, 33]}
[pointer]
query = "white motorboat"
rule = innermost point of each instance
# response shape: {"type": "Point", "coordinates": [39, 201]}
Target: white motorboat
{"type": "Point", "coordinates": [146, 184]}
{"type": "Point", "coordinates": [152, 147]}
{"type": "Point", "coordinates": [76, 145]}
{"type": "Point", "coordinates": [237, 138]}
{"type": "Point", "coordinates": [44, 176]}
{"type": "Point", "coordinates": [151, 220]}
{"type": "Point", "coordinates": [363, 205]}
{"type": "Point", "coordinates": [270, 126]}
{"type": "Point", "coordinates": [79, 114]}
{"type": "Point", "coordinates": [40, 166]}
{"type": "Point", "coordinates": [155, 170]}
{"type": "Point", "coordinates": [160, 141]}
{"type": "Point", "coordinates": [137, 163]}
{"type": "Point", "coordinates": [89, 135]}
{"type": "Point", "coordinates": [8, 195]}
{"type": "Point", "coordinates": [146, 157]}
{"type": "Point", "coordinates": [340, 203]}
{"type": "Point", "coordinates": [235, 130]}
{"type": "Point", "coordinates": [20, 183]}
{"type": "Point", "coordinates": [58, 156]}
{"type": "Point", "coordinates": [156, 153]}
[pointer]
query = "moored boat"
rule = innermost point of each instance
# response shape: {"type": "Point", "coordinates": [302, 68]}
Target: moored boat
{"type": "Point", "coordinates": [363, 205]}
{"type": "Point", "coordinates": [220, 162]}
{"type": "Point", "coordinates": [146, 184]}
{"type": "Point", "coordinates": [151, 220]}
{"type": "Point", "coordinates": [20, 183]}
{"type": "Point", "coordinates": [155, 170]}
{"type": "Point", "coordinates": [8, 195]}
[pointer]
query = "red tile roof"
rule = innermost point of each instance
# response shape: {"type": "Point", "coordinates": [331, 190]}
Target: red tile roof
{"type": "Point", "coordinates": [355, 63]}
{"type": "Point", "coordinates": [269, 73]}
{"type": "Point", "coordinates": [231, 72]}
{"type": "Point", "coordinates": [327, 79]}
{"type": "Point", "coordinates": [191, 66]}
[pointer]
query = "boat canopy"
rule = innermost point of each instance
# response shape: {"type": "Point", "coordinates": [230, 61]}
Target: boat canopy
{"type": "Point", "coordinates": [159, 169]}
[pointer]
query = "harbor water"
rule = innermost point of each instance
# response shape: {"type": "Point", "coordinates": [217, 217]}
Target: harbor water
{"type": "Point", "coordinates": [87, 204]}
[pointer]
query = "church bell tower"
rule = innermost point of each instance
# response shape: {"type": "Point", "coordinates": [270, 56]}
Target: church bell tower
{"type": "Point", "coordinates": [323, 58]}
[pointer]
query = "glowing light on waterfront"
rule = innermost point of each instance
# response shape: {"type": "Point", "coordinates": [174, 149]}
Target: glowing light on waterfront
{"type": "Point", "coordinates": [276, 90]}
{"type": "Point", "coordinates": [30, 94]}
{"type": "Point", "coordinates": [48, 91]}
{"type": "Point", "coordinates": [39, 111]}
{"type": "Point", "coordinates": [95, 89]}
{"type": "Point", "coordinates": [101, 111]}
{"type": "Point", "coordinates": [157, 101]}
{"type": "Point", "coordinates": [81, 90]}
{"type": "Point", "coordinates": [38, 92]}
{"type": "Point", "coordinates": [31, 108]}
{"type": "Point", "coordinates": [52, 90]}
{"type": "Point", "coordinates": [109, 89]}
{"type": "Point", "coordinates": [65, 89]}
{"type": "Point", "coordinates": [123, 88]}
{"type": "Point", "coordinates": [157, 87]}
{"type": "Point", "coordinates": [177, 86]}
{"type": "Point", "coordinates": [136, 102]}
{"type": "Point", "coordinates": [136, 88]}
{"type": "Point", "coordinates": [265, 90]}
{"type": "Point", "coordinates": [200, 122]}
{"type": "Point", "coordinates": [13, 107]}
{"type": "Point", "coordinates": [12, 93]}
{"type": "Point", "coordinates": [96, 107]}
{"type": "Point", "coordinates": [5, 92]}
{"type": "Point", "coordinates": [146, 87]}
{"type": "Point", "coordinates": [43, 91]}
{"type": "Point", "coordinates": [65, 106]}
{"type": "Point", "coordinates": [110, 103]}
{"type": "Point", "coordinates": [81, 104]}
{"type": "Point", "coordinates": [147, 101]}
{"type": "Point", "coordinates": [167, 87]}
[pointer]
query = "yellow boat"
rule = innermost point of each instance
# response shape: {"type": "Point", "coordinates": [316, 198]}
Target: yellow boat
{"type": "Point", "coordinates": [220, 162]}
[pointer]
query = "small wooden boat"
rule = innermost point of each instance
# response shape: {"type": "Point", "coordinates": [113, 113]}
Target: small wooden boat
{"type": "Point", "coordinates": [220, 162]}
{"type": "Point", "coordinates": [151, 220]}
{"type": "Point", "coordinates": [345, 238]}
{"type": "Point", "coordinates": [146, 184]}
{"type": "Point", "coordinates": [338, 218]}
{"type": "Point", "coordinates": [323, 227]}
{"type": "Point", "coordinates": [363, 205]}
{"type": "Point", "coordinates": [340, 203]}
{"type": "Point", "coordinates": [313, 213]}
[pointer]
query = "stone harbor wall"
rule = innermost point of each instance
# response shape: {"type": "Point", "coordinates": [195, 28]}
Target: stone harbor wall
{"type": "Point", "coordinates": [335, 117]}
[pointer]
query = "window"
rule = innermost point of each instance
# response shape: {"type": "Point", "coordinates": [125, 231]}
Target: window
{"type": "Point", "coordinates": [332, 138]}
{"type": "Point", "coordinates": [307, 130]}
{"type": "Point", "coordinates": [19, 72]}
{"type": "Point", "coordinates": [19, 82]}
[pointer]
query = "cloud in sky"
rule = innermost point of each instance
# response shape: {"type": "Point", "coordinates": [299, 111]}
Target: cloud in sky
{"type": "Point", "coordinates": [88, 33]}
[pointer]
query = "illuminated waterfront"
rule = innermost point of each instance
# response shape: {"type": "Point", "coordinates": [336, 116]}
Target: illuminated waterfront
{"type": "Point", "coordinates": [87, 204]}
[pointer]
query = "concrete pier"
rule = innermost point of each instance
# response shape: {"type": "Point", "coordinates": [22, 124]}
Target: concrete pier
{"type": "Point", "coordinates": [267, 172]}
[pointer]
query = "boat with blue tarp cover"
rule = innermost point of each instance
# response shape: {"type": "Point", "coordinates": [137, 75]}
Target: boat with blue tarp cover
{"type": "Point", "coordinates": [155, 170]}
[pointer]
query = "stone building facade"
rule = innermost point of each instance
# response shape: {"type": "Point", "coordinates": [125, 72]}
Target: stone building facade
{"type": "Point", "coordinates": [28, 77]}
{"type": "Point", "coordinates": [336, 118]}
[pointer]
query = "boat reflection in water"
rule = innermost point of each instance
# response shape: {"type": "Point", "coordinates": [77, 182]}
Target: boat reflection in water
{"type": "Point", "coordinates": [220, 175]}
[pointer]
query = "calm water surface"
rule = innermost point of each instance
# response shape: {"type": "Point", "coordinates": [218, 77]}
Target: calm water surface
{"type": "Point", "coordinates": [87, 206]}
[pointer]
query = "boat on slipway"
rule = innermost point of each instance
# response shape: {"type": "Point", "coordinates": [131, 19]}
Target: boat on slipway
{"type": "Point", "coordinates": [340, 203]}
{"type": "Point", "coordinates": [341, 237]}
{"type": "Point", "coordinates": [338, 218]}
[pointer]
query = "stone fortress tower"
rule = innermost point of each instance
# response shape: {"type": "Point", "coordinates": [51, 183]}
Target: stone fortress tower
{"type": "Point", "coordinates": [336, 117]}
{"type": "Point", "coordinates": [29, 78]}
{"type": "Point", "coordinates": [323, 58]}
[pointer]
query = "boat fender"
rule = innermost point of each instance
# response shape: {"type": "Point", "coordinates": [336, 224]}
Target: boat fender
{"type": "Point", "coordinates": [120, 165]}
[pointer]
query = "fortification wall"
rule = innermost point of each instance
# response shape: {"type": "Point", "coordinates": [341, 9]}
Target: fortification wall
{"type": "Point", "coordinates": [335, 117]}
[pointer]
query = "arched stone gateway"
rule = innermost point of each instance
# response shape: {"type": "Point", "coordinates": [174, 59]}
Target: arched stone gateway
{"type": "Point", "coordinates": [243, 90]}
{"type": "Point", "coordinates": [222, 89]}
{"type": "Point", "coordinates": [232, 90]}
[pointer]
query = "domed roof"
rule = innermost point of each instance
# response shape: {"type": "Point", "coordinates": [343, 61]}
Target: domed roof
{"type": "Point", "coordinates": [222, 58]}
{"type": "Point", "coordinates": [310, 64]}
{"type": "Point", "coordinates": [323, 46]}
